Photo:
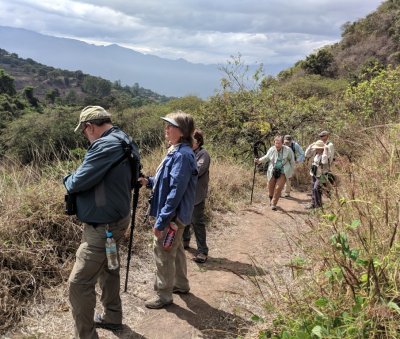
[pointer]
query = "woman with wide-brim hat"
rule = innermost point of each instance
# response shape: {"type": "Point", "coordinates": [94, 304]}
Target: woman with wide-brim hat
{"type": "Point", "coordinates": [320, 166]}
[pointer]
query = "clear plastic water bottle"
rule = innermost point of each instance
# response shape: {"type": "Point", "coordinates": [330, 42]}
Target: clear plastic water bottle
{"type": "Point", "coordinates": [170, 236]}
{"type": "Point", "coordinates": [111, 252]}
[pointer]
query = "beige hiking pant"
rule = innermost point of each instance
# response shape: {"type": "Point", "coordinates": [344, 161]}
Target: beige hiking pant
{"type": "Point", "coordinates": [288, 184]}
{"type": "Point", "coordinates": [91, 267]}
{"type": "Point", "coordinates": [171, 266]}
{"type": "Point", "coordinates": [275, 187]}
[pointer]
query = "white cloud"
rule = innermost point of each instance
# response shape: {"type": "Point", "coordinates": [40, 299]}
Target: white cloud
{"type": "Point", "coordinates": [207, 31]}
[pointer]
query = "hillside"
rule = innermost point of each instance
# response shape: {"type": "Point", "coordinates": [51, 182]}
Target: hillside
{"type": "Point", "coordinates": [367, 45]}
{"type": "Point", "coordinates": [71, 87]}
{"type": "Point", "coordinates": [373, 38]}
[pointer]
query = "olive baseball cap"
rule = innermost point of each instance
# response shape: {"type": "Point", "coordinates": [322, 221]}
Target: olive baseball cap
{"type": "Point", "coordinates": [92, 113]}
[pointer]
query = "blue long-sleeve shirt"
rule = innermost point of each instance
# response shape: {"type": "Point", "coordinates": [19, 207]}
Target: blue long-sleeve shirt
{"type": "Point", "coordinates": [297, 151]}
{"type": "Point", "coordinates": [174, 187]}
{"type": "Point", "coordinates": [103, 191]}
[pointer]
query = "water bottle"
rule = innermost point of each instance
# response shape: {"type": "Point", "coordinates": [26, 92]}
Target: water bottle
{"type": "Point", "coordinates": [111, 252]}
{"type": "Point", "coordinates": [170, 236]}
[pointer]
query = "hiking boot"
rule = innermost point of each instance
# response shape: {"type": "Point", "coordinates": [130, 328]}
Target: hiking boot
{"type": "Point", "coordinates": [273, 207]}
{"type": "Point", "coordinates": [309, 206]}
{"type": "Point", "coordinates": [178, 290]}
{"type": "Point", "coordinates": [201, 258]}
{"type": "Point", "coordinates": [286, 195]}
{"type": "Point", "coordinates": [186, 244]}
{"type": "Point", "coordinates": [156, 303]}
{"type": "Point", "coordinates": [99, 323]}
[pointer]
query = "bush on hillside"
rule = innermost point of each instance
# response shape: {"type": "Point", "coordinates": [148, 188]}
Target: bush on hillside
{"type": "Point", "coordinates": [42, 135]}
{"type": "Point", "coordinates": [376, 101]}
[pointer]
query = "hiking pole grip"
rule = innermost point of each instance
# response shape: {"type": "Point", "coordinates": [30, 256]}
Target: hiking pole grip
{"type": "Point", "coordinates": [134, 206]}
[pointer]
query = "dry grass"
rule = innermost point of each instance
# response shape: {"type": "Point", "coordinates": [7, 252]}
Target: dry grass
{"type": "Point", "coordinates": [37, 239]}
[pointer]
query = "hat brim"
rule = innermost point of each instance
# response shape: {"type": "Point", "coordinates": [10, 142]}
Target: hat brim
{"type": "Point", "coordinates": [77, 127]}
{"type": "Point", "coordinates": [170, 121]}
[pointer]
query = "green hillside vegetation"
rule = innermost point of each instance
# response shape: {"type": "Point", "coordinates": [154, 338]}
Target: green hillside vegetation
{"type": "Point", "coordinates": [51, 85]}
{"type": "Point", "coordinates": [345, 265]}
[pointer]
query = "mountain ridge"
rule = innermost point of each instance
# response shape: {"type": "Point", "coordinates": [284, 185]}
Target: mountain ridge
{"type": "Point", "coordinates": [113, 62]}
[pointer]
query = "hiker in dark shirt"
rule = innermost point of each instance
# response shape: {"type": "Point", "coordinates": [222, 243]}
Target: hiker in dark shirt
{"type": "Point", "coordinates": [102, 185]}
{"type": "Point", "coordinates": [198, 218]}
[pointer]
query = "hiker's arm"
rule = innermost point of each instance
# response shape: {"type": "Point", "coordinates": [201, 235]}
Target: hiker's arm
{"type": "Point", "coordinates": [300, 153]}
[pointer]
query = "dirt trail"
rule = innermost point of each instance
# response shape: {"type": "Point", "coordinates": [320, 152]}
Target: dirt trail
{"type": "Point", "coordinates": [246, 245]}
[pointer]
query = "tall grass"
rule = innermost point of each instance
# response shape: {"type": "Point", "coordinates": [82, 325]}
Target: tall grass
{"type": "Point", "coordinates": [37, 240]}
{"type": "Point", "coordinates": [347, 266]}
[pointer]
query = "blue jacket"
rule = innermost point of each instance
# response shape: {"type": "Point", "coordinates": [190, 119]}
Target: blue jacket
{"type": "Point", "coordinates": [103, 191]}
{"type": "Point", "coordinates": [174, 187]}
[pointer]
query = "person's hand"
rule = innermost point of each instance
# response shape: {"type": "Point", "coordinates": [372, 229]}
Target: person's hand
{"type": "Point", "coordinates": [143, 181]}
{"type": "Point", "coordinates": [157, 233]}
{"type": "Point", "coordinates": [256, 161]}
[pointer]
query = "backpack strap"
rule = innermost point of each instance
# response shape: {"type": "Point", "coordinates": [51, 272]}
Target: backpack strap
{"type": "Point", "coordinates": [131, 152]}
{"type": "Point", "coordinates": [292, 146]}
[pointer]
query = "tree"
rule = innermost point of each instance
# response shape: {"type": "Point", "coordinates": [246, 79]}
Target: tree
{"type": "Point", "coordinates": [96, 87]}
{"type": "Point", "coordinates": [28, 93]}
{"type": "Point", "coordinates": [6, 83]}
{"type": "Point", "coordinates": [52, 95]}
{"type": "Point", "coordinates": [318, 63]}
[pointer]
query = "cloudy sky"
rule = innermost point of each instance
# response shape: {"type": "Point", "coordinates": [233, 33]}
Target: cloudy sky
{"type": "Point", "coordinates": [202, 31]}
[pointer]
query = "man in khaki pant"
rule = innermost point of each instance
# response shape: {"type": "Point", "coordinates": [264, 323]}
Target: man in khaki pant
{"type": "Point", "coordinates": [102, 187]}
{"type": "Point", "coordinates": [91, 267]}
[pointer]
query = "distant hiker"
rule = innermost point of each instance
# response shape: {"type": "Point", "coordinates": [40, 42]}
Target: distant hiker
{"type": "Point", "coordinates": [319, 168]}
{"type": "Point", "coordinates": [298, 158]}
{"type": "Point", "coordinates": [173, 193]}
{"type": "Point", "coordinates": [324, 136]}
{"type": "Point", "coordinates": [280, 160]}
{"type": "Point", "coordinates": [102, 186]}
{"type": "Point", "coordinates": [198, 217]}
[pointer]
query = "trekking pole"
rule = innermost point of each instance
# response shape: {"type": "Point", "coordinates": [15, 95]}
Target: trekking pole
{"type": "Point", "coordinates": [134, 206]}
{"type": "Point", "coordinates": [254, 180]}
{"type": "Point", "coordinates": [256, 152]}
